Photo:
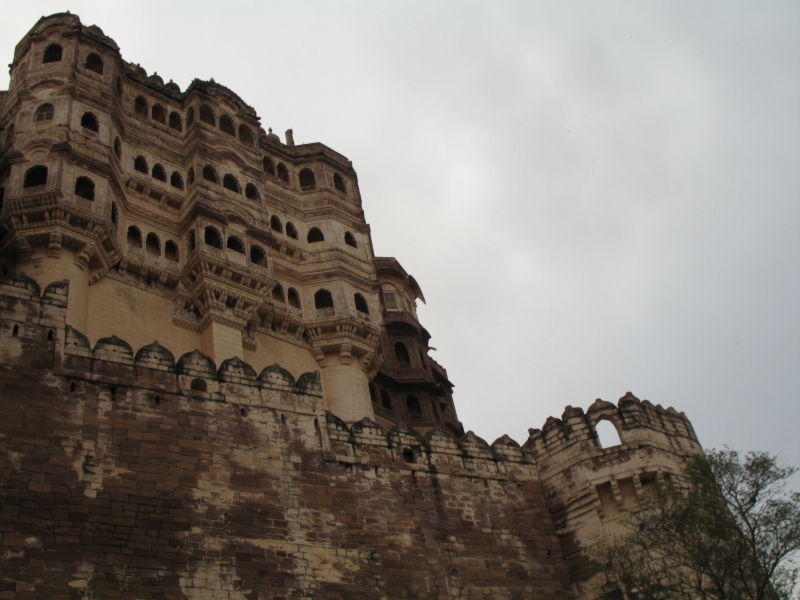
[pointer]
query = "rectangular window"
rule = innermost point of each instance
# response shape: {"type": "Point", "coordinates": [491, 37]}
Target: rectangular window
{"type": "Point", "coordinates": [390, 300]}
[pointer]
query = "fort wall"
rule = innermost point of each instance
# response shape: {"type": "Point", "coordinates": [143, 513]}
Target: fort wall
{"type": "Point", "coordinates": [132, 474]}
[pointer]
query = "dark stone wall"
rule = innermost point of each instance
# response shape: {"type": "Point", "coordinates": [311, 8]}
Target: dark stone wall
{"type": "Point", "coordinates": [119, 481]}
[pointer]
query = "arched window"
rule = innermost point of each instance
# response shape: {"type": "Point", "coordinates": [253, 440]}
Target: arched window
{"type": "Point", "coordinates": [277, 293]}
{"type": "Point", "coordinates": [607, 434]}
{"type": "Point", "coordinates": [52, 54]}
{"type": "Point", "coordinates": [35, 176]}
{"type": "Point", "coordinates": [175, 121]}
{"type": "Point", "coordinates": [198, 385]}
{"type": "Point", "coordinates": [192, 241]}
{"type": "Point", "coordinates": [386, 400]}
{"type": "Point", "coordinates": [212, 238]}
{"type": "Point", "coordinates": [190, 176]}
{"type": "Point", "coordinates": [323, 299]}
{"type": "Point", "coordinates": [207, 115]}
{"type": "Point", "coordinates": [209, 174]}
{"type": "Point", "coordinates": [175, 180]}
{"type": "Point", "coordinates": [294, 298]}
{"type": "Point", "coordinates": [89, 121]}
{"type": "Point", "coordinates": [275, 224]}
{"type": "Point", "coordinates": [140, 164]}
{"type": "Point", "coordinates": [235, 244]}
{"type": "Point", "coordinates": [94, 63]}
{"type": "Point", "coordinates": [226, 125]}
{"type": "Point", "coordinates": [44, 113]}
{"type": "Point", "coordinates": [315, 235]}
{"type": "Point", "coordinates": [140, 106]}
{"type": "Point", "coordinates": [134, 237]}
{"type": "Point", "coordinates": [361, 304]}
{"type": "Point", "coordinates": [283, 172]}
{"type": "Point", "coordinates": [159, 113]}
{"type": "Point", "coordinates": [84, 187]}
{"type": "Point", "coordinates": [189, 116]}
{"type": "Point", "coordinates": [152, 244]}
{"type": "Point", "coordinates": [245, 135]}
{"type": "Point", "coordinates": [171, 251]}
{"type": "Point", "coordinates": [114, 214]}
{"type": "Point", "coordinates": [250, 192]}
{"type": "Point", "coordinates": [307, 180]}
{"type": "Point", "coordinates": [291, 231]}
{"type": "Point", "coordinates": [117, 147]}
{"type": "Point", "coordinates": [257, 256]}
{"type": "Point", "coordinates": [338, 183]}
{"type": "Point", "coordinates": [229, 183]}
{"type": "Point", "coordinates": [159, 173]}
{"type": "Point", "coordinates": [350, 239]}
{"type": "Point", "coordinates": [401, 353]}
{"type": "Point", "coordinates": [413, 405]}
{"type": "Point", "coordinates": [269, 168]}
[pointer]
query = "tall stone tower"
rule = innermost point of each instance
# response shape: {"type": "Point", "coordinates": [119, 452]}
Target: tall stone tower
{"type": "Point", "coordinates": [176, 217]}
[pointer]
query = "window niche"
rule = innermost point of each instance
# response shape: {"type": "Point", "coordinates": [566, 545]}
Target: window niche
{"type": "Point", "coordinates": [401, 353]}
{"type": "Point", "coordinates": [323, 302]}
{"type": "Point", "coordinates": [361, 304]}
{"type": "Point", "coordinates": [134, 238]}
{"type": "Point", "coordinates": [84, 187]}
{"type": "Point", "coordinates": [159, 114]}
{"type": "Point", "coordinates": [257, 256]}
{"type": "Point", "coordinates": [229, 183]}
{"type": "Point", "coordinates": [94, 63]}
{"type": "Point", "coordinates": [44, 113]}
{"type": "Point", "coordinates": [307, 180]}
{"type": "Point", "coordinates": [140, 106]}
{"type": "Point", "coordinates": [53, 53]}
{"type": "Point", "coordinates": [315, 235]}
{"type": "Point", "coordinates": [89, 121]}
{"type": "Point", "coordinates": [607, 434]}
{"type": "Point", "coordinates": [212, 238]}
{"type": "Point", "coordinates": [175, 122]}
{"type": "Point", "coordinates": [159, 173]}
{"type": "Point", "coordinates": [35, 176]}
{"type": "Point", "coordinates": [153, 244]}
{"type": "Point", "coordinates": [140, 164]}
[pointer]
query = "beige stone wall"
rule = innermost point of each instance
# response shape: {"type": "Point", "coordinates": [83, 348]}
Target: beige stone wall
{"type": "Point", "coordinates": [45, 270]}
{"type": "Point", "coordinates": [137, 316]}
{"type": "Point", "coordinates": [346, 390]}
{"type": "Point", "coordinates": [272, 350]}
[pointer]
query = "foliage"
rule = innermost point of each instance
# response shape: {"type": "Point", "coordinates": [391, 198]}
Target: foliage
{"type": "Point", "coordinates": [728, 531]}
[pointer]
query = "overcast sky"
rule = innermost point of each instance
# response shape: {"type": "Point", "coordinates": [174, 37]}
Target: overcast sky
{"type": "Point", "coordinates": [594, 197]}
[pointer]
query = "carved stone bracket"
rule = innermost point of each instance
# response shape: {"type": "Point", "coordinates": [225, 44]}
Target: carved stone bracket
{"type": "Point", "coordinates": [54, 248]}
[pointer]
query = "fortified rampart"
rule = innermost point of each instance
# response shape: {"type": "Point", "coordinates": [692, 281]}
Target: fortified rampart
{"type": "Point", "coordinates": [131, 474]}
{"type": "Point", "coordinates": [195, 467]}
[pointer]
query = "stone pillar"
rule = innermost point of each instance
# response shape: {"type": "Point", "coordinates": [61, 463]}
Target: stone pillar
{"type": "Point", "coordinates": [346, 389]}
{"type": "Point", "coordinates": [46, 266]}
{"type": "Point", "coordinates": [220, 340]}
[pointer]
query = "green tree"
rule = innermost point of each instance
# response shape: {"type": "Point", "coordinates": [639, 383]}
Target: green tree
{"type": "Point", "coordinates": [728, 530]}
